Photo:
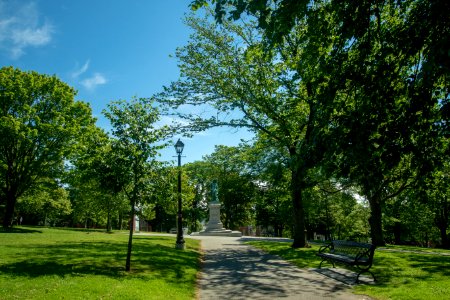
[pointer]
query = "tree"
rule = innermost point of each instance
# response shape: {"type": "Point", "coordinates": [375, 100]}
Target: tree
{"type": "Point", "coordinates": [269, 169]}
{"type": "Point", "coordinates": [199, 176]}
{"type": "Point", "coordinates": [134, 151]}
{"type": "Point", "coordinates": [236, 187]}
{"type": "Point", "coordinates": [334, 212]}
{"type": "Point", "coordinates": [438, 199]}
{"type": "Point", "coordinates": [40, 124]}
{"type": "Point", "coordinates": [408, 219]}
{"type": "Point", "coordinates": [95, 187]}
{"type": "Point", "coordinates": [47, 204]}
{"type": "Point", "coordinates": [276, 18]}
{"type": "Point", "coordinates": [394, 65]}
{"type": "Point", "coordinates": [395, 78]}
{"type": "Point", "coordinates": [282, 97]}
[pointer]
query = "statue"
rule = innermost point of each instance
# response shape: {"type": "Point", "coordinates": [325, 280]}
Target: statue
{"type": "Point", "coordinates": [215, 226]}
{"type": "Point", "coordinates": [214, 192]}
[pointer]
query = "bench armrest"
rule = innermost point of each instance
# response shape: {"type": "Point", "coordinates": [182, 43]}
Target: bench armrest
{"type": "Point", "coordinates": [325, 247]}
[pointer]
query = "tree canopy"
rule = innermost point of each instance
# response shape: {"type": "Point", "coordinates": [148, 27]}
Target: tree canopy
{"type": "Point", "coordinates": [380, 67]}
{"type": "Point", "coordinates": [40, 124]}
{"type": "Point", "coordinates": [131, 161]}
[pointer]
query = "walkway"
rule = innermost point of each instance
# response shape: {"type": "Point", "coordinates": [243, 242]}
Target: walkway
{"type": "Point", "coordinates": [233, 270]}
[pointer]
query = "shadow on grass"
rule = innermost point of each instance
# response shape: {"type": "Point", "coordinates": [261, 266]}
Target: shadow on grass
{"type": "Point", "coordinates": [301, 257]}
{"type": "Point", "coordinates": [395, 266]}
{"type": "Point", "coordinates": [88, 230]}
{"type": "Point", "coordinates": [388, 267]}
{"type": "Point", "coordinates": [151, 258]}
{"type": "Point", "coordinates": [19, 230]}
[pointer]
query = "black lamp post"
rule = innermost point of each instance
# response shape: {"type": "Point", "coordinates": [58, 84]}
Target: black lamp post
{"type": "Point", "coordinates": [179, 146]}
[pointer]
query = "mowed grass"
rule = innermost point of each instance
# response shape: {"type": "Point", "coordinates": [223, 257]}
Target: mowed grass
{"type": "Point", "coordinates": [41, 263]}
{"type": "Point", "coordinates": [400, 275]}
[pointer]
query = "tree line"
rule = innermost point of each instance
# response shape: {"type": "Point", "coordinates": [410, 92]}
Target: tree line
{"type": "Point", "coordinates": [349, 102]}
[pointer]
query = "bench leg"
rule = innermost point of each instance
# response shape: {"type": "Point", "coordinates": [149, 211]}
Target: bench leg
{"type": "Point", "coordinates": [363, 271]}
{"type": "Point", "coordinates": [320, 266]}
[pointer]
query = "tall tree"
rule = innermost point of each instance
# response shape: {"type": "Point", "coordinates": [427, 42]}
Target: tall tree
{"type": "Point", "coordinates": [396, 80]}
{"type": "Point", "coordinates": [394, 65]}
{"type": "Point", "coordinates": [95, 186]}
{"type": "Point", "coordinates": [281, 94]}
{"type": "Point", "coordinates": [40, 124]}
{"type": "Point", "coordinates": [134, 151]}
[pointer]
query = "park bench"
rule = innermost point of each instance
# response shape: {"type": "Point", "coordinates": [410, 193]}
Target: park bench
{"type": "Point", "coordinates": [352, 254]}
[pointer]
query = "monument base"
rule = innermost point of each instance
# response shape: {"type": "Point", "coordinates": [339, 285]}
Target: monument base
{"type": "Point", "coordinates": [215, 226]}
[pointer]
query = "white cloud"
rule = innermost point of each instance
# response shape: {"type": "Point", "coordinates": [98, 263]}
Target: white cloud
{"type": "Point", "coordinates": [21, 28]}
{"type": "Point", "coordinates": [77, 73]}
{"type": "Point", "coordinates": [92, 82]}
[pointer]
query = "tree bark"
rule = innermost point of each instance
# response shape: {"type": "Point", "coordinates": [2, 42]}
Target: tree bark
{"type": "Point", "coordinates": [441, 221]}
{"type": "Point", "coordinates": [11, 200]}
{"type": "Point", "coordinates": [375, 221]}
{"type": "Point", "coordinates": [397, 233]}
{"type": "Point", "coordinates": [130, 239]}
{"type": "Point", "coordinates": [108, 222]}
{"type": "Point", "coordinates": [120, 220]}
{"type": "Point", "coordinates": [444, 237]}
{"type": "Point", "coordinates": [299, 215]}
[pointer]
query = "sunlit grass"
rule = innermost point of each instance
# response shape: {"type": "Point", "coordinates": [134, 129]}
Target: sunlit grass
{"type": "Point", "coordinates": [400, 275]}
{"type": "Point", "coordinates": [40, 263]}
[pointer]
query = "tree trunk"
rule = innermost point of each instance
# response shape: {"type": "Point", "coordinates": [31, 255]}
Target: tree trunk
{"type": "Point", "coordinates": [130, 238]}
{"type": "Point", "coordinates": [441, 221]}
{"type": "Point", "coordinates": [11, 200]}
{"type": "Point", "coordinates": [120, 220]}
{"type": "Point", "coordinates": [375, 221]}
{"type": "Point", "coordinates": [299, 215]}
{"type": "Point", "coordinates": [397, 233]}
{"type": "Point", "coordinates": [108, 222]}
{"type": "Point", "coordinates": [444, 237]}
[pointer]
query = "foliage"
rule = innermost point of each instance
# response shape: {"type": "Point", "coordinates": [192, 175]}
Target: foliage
{"type": "Point", "coordinates": [199, 174]}
{"type": "Point", "coordinates": [408, 220]}
{"type": "Point", "coordinates": [40, 125]}
{"type": "Point", "coordinates": [437, 199]}
{"type": "Point", "coordinates": [276, 18]}
{"type": "Point", "coordinates": [95, 186]}
{"type": "Point", "coordinates": [47, 205]}
{"type": "Point", "coordinates": [133, 152]}
{"type": "Point", "coordinates": [271, 176]}
{"type": "Point", "coordinates": [226, 68]}
{"type": "Point", "coordinates": [236, 189]}
{"type": "Point", "coordinates": [389, 71]}
{"type": "Point", "coordinates": [387, 131]}
{"type": "Point", "coordinates": [41, 263]}
{"type": "Point", "coordinates": [228, 167]}
{"type": "Point", "coordinates": [333, 211]}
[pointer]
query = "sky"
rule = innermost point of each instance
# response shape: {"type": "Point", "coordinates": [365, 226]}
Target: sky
{"type": "Point", "coordinates": [107, 50]}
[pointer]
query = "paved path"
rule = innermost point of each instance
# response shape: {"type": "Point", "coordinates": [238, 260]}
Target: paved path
{"type": "Point", "coordinates": [233, 270]}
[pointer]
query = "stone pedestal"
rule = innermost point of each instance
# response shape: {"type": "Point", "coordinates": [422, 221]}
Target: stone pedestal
{"type": "Point", "coordinates": [215, 226]}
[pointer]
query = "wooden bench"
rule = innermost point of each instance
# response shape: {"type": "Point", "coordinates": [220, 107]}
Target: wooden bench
{"type": "Point", "coordinates": [353, 254]}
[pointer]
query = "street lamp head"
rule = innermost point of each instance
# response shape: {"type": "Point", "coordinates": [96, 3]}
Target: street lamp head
{"type": "Point", "coordinates": [179, 146]}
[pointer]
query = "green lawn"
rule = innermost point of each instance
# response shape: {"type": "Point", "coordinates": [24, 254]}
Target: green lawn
{"type": "Point", "coordinates": [41, 263]}
{"type": "Point", "coordinates": [400, 275]}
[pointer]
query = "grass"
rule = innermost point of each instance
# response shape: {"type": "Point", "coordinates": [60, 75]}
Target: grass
{"type": "Point", "coordinates": [400, 275]}
{"type": "Point", "coordinates": [41, 263]}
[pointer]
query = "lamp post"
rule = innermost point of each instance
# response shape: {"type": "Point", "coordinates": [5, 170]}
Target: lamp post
{"type": "Point", "coordinates": [180, 244]}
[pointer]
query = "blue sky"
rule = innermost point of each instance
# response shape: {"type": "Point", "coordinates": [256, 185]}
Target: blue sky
{"type": "Point", "coordinates": [107, 50]}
